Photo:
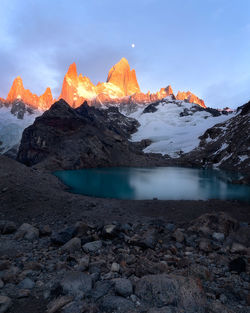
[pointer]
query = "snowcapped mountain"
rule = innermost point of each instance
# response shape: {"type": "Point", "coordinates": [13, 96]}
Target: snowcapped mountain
{"type": "Point", "coordinates": [14, 119]}
{"type": "Point", "coordinates": [172, 123]}
{"type": "Point", "coordinates": [174, 126]}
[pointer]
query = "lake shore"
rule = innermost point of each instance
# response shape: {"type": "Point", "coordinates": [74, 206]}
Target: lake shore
{"type": "Point", "coordinates": [51, 239]}
{"type": "Point", "coordinates": [29, 194]}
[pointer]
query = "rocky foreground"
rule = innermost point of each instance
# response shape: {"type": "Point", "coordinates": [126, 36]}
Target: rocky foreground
{"type": "Point", "coordinates": [154, 266]}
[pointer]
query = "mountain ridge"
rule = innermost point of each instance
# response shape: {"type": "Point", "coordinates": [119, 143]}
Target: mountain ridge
{"type": "Point", "coordinates": [121, 87]}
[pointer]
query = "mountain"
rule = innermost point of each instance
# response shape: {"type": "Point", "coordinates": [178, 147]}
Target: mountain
{"type": "Point", "coordinates": [226, 144]}
{"type": "Point", "coordinates": [174, 126]}
{"type": "Point", "coordinates": [67, 138]}
{"type": "Point", "coordinates": [14, 118]}
{"type": "Point", "coordinates": [18, 92]}
{"type": "Point", "coordinates": [120, 89]}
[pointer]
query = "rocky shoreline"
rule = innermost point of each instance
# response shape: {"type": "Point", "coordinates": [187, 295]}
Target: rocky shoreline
{"type": "Point", "coordinates": [67, 253]}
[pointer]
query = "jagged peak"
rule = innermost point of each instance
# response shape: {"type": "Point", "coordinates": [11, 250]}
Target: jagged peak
{"type": "Point", "coordinates": [123, 60]}
{"type": "Point", "coordinates": [72, 70]}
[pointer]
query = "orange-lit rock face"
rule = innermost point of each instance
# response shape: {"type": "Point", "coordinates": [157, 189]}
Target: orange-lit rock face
{"type": "Point", "coordinates": [121, 87]}
{"type": "Point", "coordinates": [121, 76]}
{"type": "Point", "coordinates": [17, 91]}
{"type": "Point", "coordinates": [190, 97]}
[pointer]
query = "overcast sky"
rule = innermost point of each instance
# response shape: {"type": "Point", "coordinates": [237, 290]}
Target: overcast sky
{"type": "Point", "coordinates": [202, 46]}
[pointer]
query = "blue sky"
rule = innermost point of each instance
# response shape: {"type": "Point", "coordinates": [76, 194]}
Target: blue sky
{"type": "Point", "coordinates": [202, 46]}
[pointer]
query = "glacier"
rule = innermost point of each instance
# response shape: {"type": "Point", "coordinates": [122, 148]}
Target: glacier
{"type": "Point", "coordinates": [11, 127]}
{"type": "Point", "coordinates": [175, 127]}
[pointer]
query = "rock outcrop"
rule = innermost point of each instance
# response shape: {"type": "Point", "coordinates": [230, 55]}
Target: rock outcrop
{"type": "Point", "coordinates": [190, 97]}
{"type": "Point", "coordinates": [85, 137]}
{"type": "Point", "coordinates": [226, 145]}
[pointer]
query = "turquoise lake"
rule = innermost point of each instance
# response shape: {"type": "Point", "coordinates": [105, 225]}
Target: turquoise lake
{"type": "Point", "coordinates": [163, 183]}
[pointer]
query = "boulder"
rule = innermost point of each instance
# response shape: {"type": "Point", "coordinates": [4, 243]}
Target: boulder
{"type": "Point", "coordinates": [60, 238]}
{"type": "Point", "coordinates": [110, 231]}
{"type": "Point", "coordinates": [238, 248]}
{"type": "Point", "coordinates": [92, 246]}
{"type": "Point", "coordinates": [76, 283]}
{"type": "Point", "coordinates": [218, 236]}
{"type": "Point", "coordinates": [57, 304]}
{"type": "Point", "coordinates": [123, 287]}
{"type": "Point", "coordinates": [116, 304]}
{"type": "Point", "coordinates": [72, 245]}
{"type": "Point", "coordinates": [45, 230]}
{"type": "Point", "coordinates": [178, 236]}
{"type": "Point", "coordinates": [28, 232]}
{"type": "Point", "coordinates": [5, 304]}
{"type": "Point", "coordinates": [8, 227]}
{"type": "Point", "coordinates": [162, 290]}
{"type": "Point", "coordinates": [205, 245]}
{"type": "Point", "coordinates": [27, 283]}
{"type": "Point", "coordinates": [214, 222]}
{"type": "Point", "coordinates": [115, 267]}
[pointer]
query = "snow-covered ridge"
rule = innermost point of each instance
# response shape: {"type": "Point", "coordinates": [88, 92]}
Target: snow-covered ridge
{"type": "Point", "coordinates": [174, 127]}
{"type": "Point", "coordinates": [13, 120]}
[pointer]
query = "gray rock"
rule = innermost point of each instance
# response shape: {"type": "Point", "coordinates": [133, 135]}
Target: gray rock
{"type": "Point", "coordinates": [238, 248]}
{"type": "Point", "coordinates": [58, 304]}
{"type": "Point", "coordinates": [110, 231]}
{"type": "Point", "coordinates": [170, 226]}
{"type": "Point", "coordinates": [116, 304]}
{"type": "Point", "coordinates": [81, 229]}
{"type": "Point", "coordinates": [83, 264]}
{"type": "Point", "coordinates": [148, 240]}
{"type": "Point", "coordinates": [28, 232]}
{"type": "Point", "coordinates": [9, 228]}
{"type": "Point", "coordinates": [123, 287]}
{"type": "Point", "coordinates": [205, 245]}
{"type": "Point", "coordinates": [5, 304]}
{"type": "Point", "coordinates": [76, 283]}
{"type": "Point", "coordinates": [214, 222]}
{"type": "Point", "coordinates": [101, 289]}
{"type": "Point", "coordinates": [218, 236]}
{"type": "Point", "coordinates": [92, 246]}
{"type": "Point", "coordinates": [23, 293]}
{"type": "Point", "coordinates": [1, 283]}
{"type": "Point", "coordinates": [45, 230]}
{"type": "Point", "coordinates": [115, 267]}
{"type": "Point", "coordinates": [72, 245]}
{"type": "Point", "coordinates": [27, 283]}
{"type": "Point", "coordinates": [60, 238]}
{"type": "Point", "coordinates": [178, 236]}
{"type": "Point", "coordinates": [163, 290]}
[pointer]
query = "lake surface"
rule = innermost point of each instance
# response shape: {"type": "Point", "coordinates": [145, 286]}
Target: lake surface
{"type": "Point", "coordinates": [163, 183]}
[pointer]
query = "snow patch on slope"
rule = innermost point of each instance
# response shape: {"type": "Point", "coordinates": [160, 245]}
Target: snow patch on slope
{"type": "Point", "coordinates": [171, 130]}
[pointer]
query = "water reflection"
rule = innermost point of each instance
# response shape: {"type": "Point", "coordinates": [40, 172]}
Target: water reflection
{"type": "Point", "coordinates": [172, 183]}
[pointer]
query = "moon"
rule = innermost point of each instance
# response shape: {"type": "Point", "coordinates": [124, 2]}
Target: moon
{"type": "Point", "coordinates": [133, 45]}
